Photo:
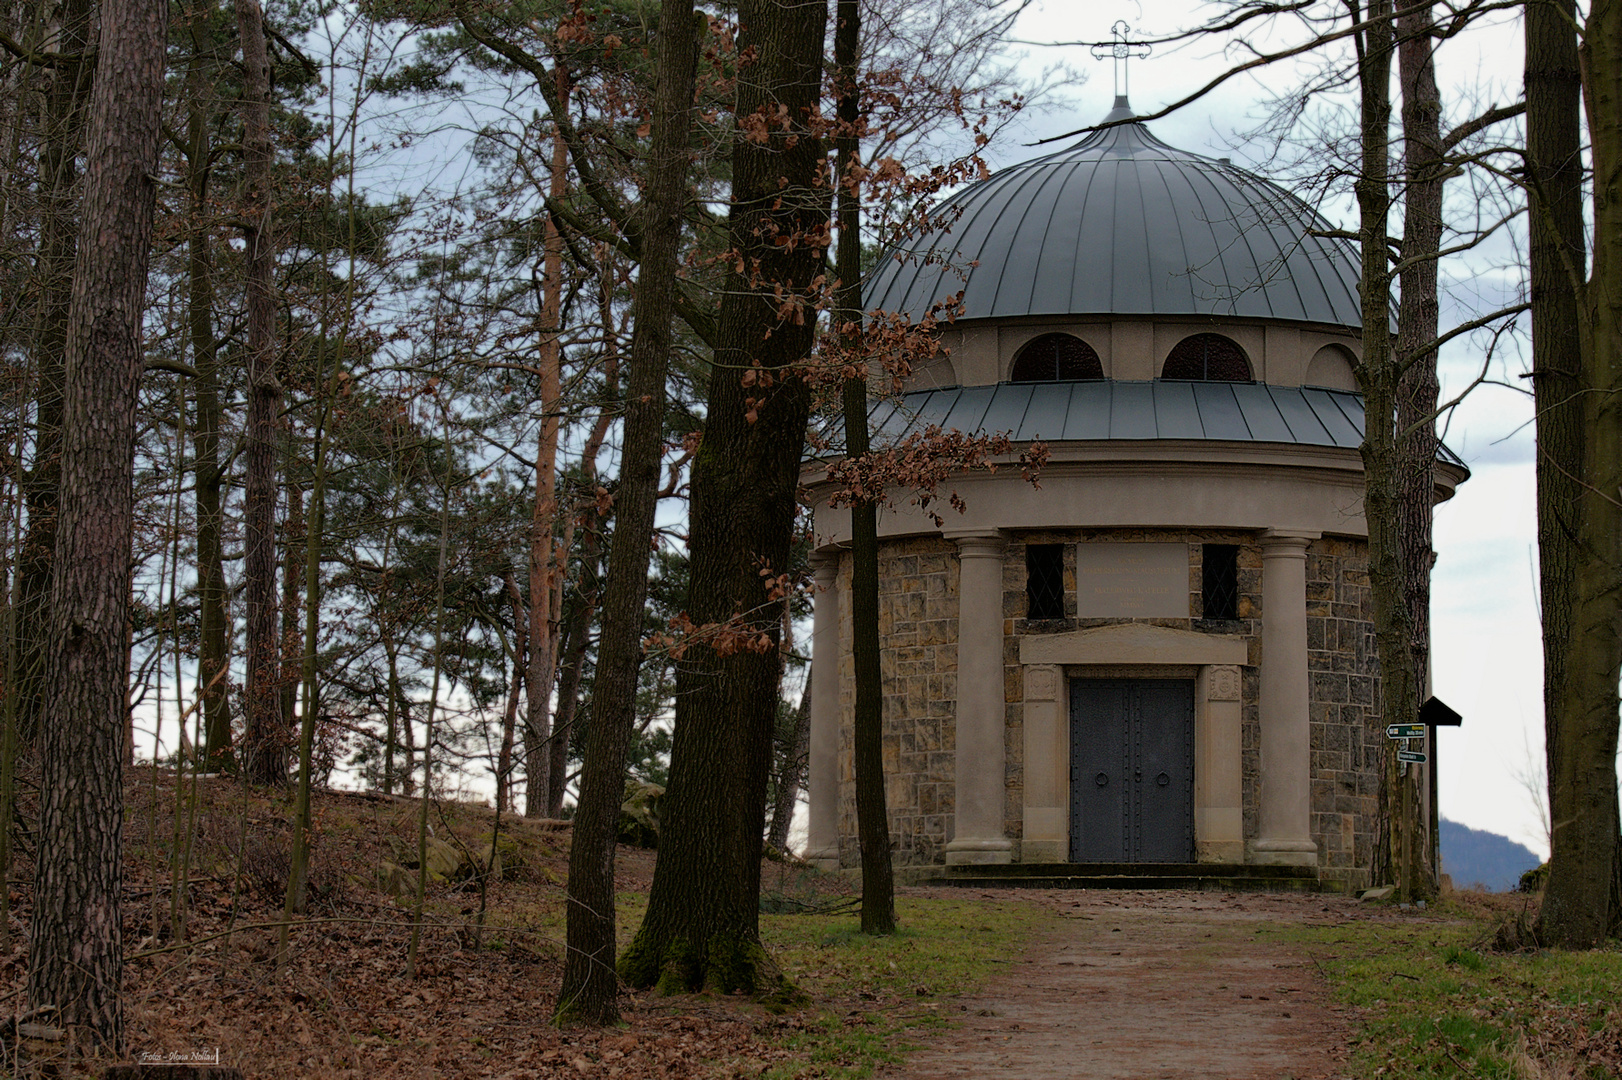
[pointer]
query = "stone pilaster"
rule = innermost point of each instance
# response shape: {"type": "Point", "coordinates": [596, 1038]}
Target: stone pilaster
{"type": "Point", "coordinates": [981, 717]}
{"type": "Point", "coordinates": [822, 841]}
{"type": "Point", "coordinates": [1284, 817]}
{"type": "Point", "coordinates": [1219, 825]}
{"type": "Point", "coordinates": [1047, 766]}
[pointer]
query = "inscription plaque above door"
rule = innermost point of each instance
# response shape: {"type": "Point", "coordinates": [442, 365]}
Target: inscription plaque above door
{"type": "Point", "coordinates": [1132, 581]}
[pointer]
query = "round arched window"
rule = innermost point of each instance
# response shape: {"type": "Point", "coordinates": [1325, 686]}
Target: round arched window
{"type": "Point", "coordinates": [1207, 358]}
{"type": "Point", "coordinates": [1056, 358]}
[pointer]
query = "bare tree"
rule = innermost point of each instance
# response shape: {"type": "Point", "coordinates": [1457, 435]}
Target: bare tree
{"type": "Point", "coordinates": [590, 984]}
{"type": "Point", "coordinates": [702, 925]}
{"type": "Point", "coordinates": [1579, 397]}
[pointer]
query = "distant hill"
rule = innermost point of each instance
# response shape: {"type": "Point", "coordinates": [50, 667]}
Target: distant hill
{"type": "Point", "coordinates": [1474, 857]}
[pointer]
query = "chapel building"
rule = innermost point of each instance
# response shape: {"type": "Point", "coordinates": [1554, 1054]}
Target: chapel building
{"type": "Point", "coordinates": [1165, 653]}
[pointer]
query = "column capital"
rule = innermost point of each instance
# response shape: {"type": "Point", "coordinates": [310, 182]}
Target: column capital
{"type": "Point", "coordinates": [1286, 543]}
{"type": "Point", "coordinates": [825, 567]}
{"type": "Point", "coordinates": [979, 543]}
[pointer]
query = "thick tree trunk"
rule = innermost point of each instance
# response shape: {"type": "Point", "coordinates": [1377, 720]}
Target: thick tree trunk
{"type": "Point", "coordinates": [66, 103]}
{"type": "Point", "coordinates": [590, 987]}
{"type": "Point", "coordinates": [702, 924]}
{"type": "Point", "coordinates": [1418, 321]}
{"type": "Point", "coordinates": [265, 742]}
{"type": "Point", "coordinates": [872, 818]}
{"type": "Point", "coordinates": [1377, 377]}
{"type": "Point", "coordinates": [1558, 265]}
{"type": "Point", "coordinates": [75, 954]}
{"type": "Point", "coordinates": [1581, 722]}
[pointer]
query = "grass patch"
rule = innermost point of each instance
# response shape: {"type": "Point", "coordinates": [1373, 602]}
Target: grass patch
{"type": "Point", "coordinates": [874, 994]}
{"type": "Point", "coordinates": [1434, 1002]}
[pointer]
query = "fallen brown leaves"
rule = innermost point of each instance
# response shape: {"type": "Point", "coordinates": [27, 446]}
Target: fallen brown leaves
{"type": "Point", "coordinates": [342, 1007]}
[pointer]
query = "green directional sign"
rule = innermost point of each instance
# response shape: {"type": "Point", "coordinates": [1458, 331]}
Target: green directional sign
{"type": "Point", "coordinates": [1413, 756]}
{"type": "Point", "coordinates": [1405, 731]}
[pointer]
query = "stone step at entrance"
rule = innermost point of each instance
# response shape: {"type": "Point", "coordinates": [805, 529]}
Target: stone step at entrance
{"type": "Point", "coordinates": [1207, 877]}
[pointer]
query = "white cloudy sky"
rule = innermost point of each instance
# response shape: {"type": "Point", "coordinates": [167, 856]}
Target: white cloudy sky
{"type": "Point", "coordinates": [1487, 660]}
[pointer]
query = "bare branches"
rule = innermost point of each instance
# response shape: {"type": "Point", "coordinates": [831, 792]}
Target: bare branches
{"type": "Point", "coordinates": [1352, 31]}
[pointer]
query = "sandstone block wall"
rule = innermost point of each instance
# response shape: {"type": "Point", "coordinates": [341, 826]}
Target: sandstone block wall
{"type": "Point", "coordinates": [1348, 734]}
{"type": "Point", "coordinates": [918, 611]}
{"type": "Point", "coordinates": [918, 608]}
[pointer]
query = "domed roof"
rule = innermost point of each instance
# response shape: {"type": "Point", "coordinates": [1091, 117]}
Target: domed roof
{"type": "Point", "coordinates": [1121, 223]}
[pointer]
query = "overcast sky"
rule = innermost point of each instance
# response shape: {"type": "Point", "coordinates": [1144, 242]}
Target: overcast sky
{"type": "Point", "coordinates": [1487, 658]}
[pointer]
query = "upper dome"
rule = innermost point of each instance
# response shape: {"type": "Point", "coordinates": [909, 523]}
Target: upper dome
{"type": "Point", "coordinates": [1121, 223]}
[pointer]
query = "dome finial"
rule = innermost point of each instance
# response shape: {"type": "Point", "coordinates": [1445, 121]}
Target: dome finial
{"type": "Point", "coordinates": [1121, 111]}
{"type": "Point", "coordinates": [1120, 50]}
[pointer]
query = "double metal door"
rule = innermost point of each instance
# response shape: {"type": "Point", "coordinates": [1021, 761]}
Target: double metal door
{"type": "Point", "coordinates": [1131, 770]}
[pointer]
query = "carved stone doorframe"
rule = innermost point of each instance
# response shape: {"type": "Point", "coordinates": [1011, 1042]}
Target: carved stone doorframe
{"type": "Point", "coordinates": [1218, 771]}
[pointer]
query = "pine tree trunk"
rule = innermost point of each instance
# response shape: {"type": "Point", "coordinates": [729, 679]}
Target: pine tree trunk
{"type": "Point", "coordinates": [576, 636]}
{"type": "Point", "coordinates": [66, 103]}
{"type": "Point", "coordinates": [590, 986]}
{"type": "Point", "coordinates": [509, 719]}
{"type": "Point", "coordinates": [265, 742]}
{"type": "Point", "coordinates": [575, 641]}
{"type": "Point", "coordinates": [1581, 732]}
{"type": "Point", "coordinates": [544, 569]}
{"type": "Point", "coordinates": [214, 631]}
{"type": "Point", "coordinates": [702, 924]}
{"type": "Point", "coordinates": [75, 954]}
{"type": "Point", "coordinates": [294, 540]}
{"type": "Point", "coordinates": [1418, 321]}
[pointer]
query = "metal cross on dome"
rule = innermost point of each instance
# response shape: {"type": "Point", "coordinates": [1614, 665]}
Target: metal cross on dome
{"type": "Point", "coordinates": [1121, 50]}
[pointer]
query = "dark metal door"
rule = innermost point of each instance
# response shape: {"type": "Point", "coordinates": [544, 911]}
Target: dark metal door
{"type": "Point", "coordinates": [1131, 770]}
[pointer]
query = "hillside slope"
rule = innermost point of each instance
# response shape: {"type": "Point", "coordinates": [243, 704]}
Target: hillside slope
{"type": "Point", "coordinates": [1476, 858]}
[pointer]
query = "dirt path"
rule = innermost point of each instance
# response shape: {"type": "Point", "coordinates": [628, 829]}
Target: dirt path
{"type": "Point", "coordinates": [1144, 985]}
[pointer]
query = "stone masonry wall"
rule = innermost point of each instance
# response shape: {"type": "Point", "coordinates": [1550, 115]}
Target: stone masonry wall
{"type": "Point", "coordinates": [1348, 735]}
{"type": "Point", "coordinates": [918, 611]}
{"type": "Point", "coordinates": [918, 584]}
{"type": "Point", "coordinates": [1248, 626]}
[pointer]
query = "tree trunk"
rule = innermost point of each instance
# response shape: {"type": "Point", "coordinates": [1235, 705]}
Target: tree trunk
{"type": "Point", "coordinates": [544, 569]}
{"type": "Point", "coordinates": [590, 986]}
{"type": "Point", "coordinates": [1418, 321]}
{"type": "Point", "coordinates": [791, 773]}
{"type": "Point", "coordinates": [1581, 724]}
{"type": "Point", "coordinates": [66, 103]}
{"type": "Point", "coordinates": [266, 738]}
{"type": "Point", "coordinates": [576, 640]}
{"type": "Point", "coordinates": [591, 520]}
{"type": "Point", "coordinates": [75, 954]}
{"type": "Point", "coordinates": [702, 924]}
{"type": "Point", "coordinates": [295, 539]}
{"type": "Point", "coordinates": [1377, 377]}
{"type": "Point", "coordinates": [214, 628]}
{"type": "Point", "coordinates": [872, 818]}
{"type": "Point", "coordinates": [1558, 267]}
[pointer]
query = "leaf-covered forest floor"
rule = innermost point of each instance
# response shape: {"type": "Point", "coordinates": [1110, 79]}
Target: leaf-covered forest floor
{"type": "Point", "coordinates": [481, 1004]}
{"type": "Point", "coordinates": [1371, 990]}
